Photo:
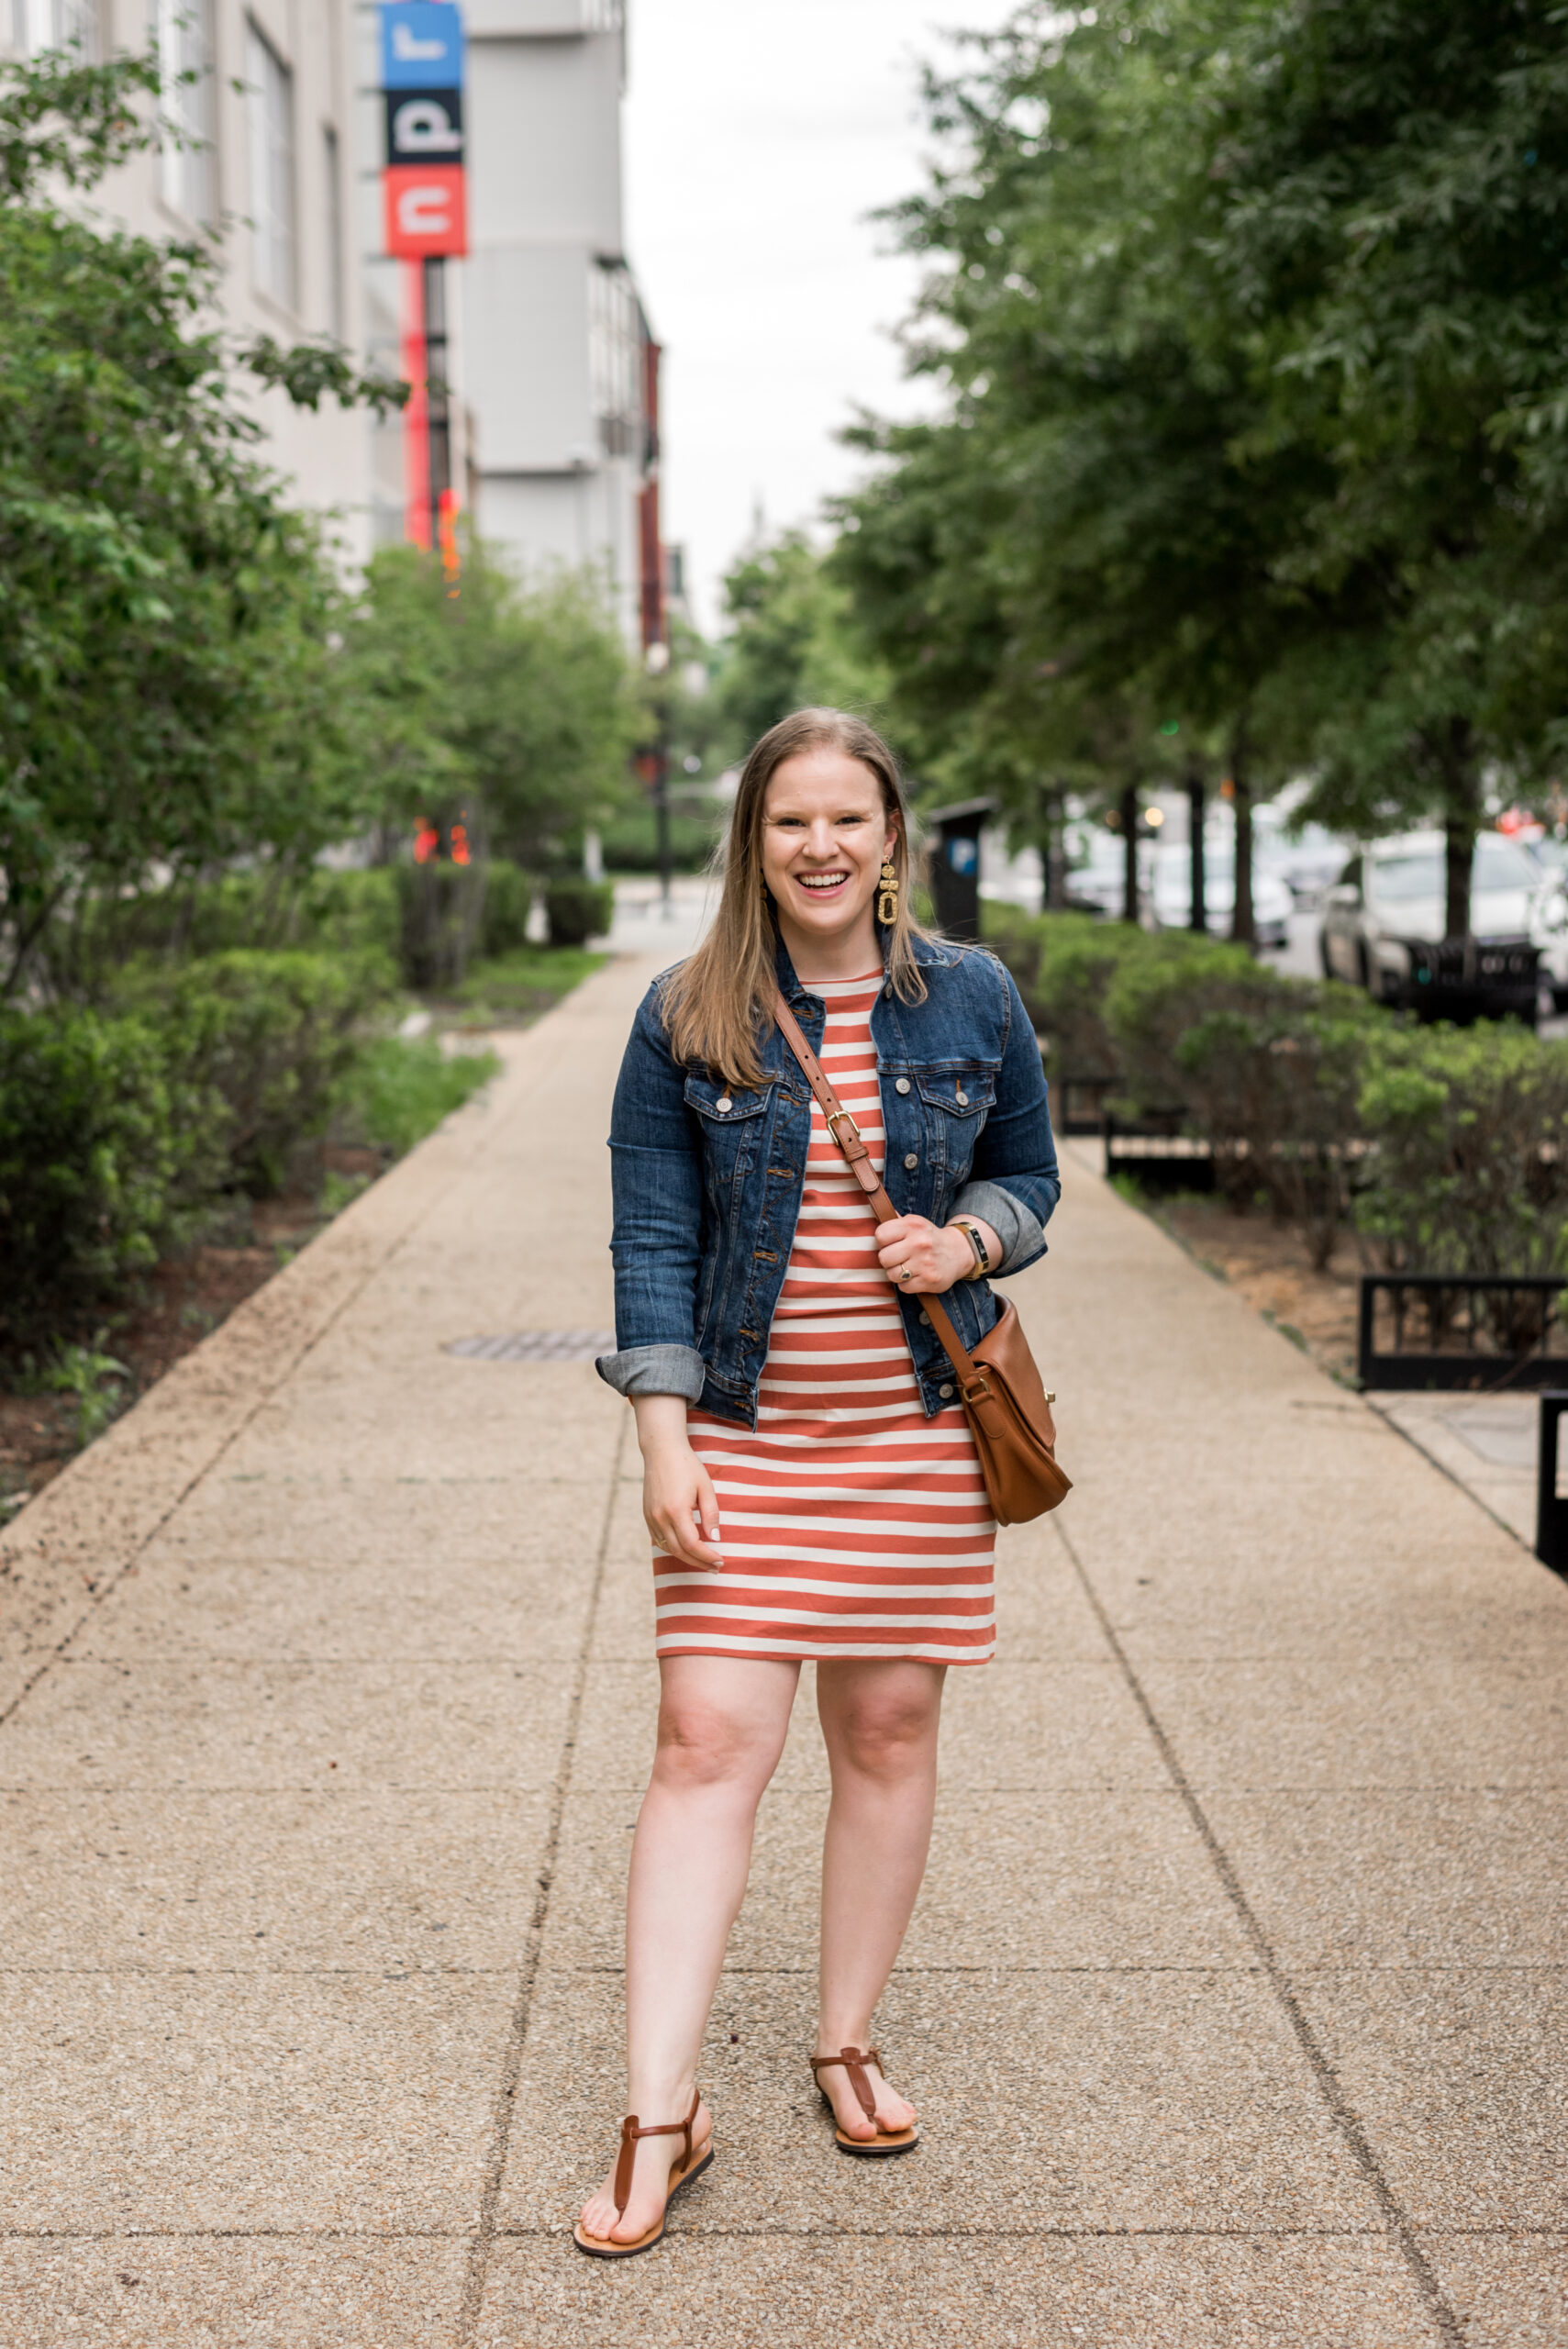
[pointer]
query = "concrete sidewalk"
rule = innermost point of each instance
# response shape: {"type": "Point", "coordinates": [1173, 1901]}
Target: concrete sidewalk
{"type": "Point", "coordinates": [1235, 2006]}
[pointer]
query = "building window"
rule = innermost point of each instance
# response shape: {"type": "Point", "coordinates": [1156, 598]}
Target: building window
{"type": "Point", "coordinates": [184, 55]}
{"type": "Point", "coordinates": [38, 25]}
{"type": "Point", "coordinates": [270, 102]}
{"type": "Point", "coordinates": [337, 306]}
{"type": "Point", "coordinates": [614, 357]}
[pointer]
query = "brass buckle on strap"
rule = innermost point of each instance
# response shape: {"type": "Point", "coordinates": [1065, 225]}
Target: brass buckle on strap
{"type": "Point", "coordinates": [834, 1117]}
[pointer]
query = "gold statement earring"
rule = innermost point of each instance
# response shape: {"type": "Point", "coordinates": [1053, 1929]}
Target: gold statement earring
{"type": "Point", "coordinates": [887, 902]}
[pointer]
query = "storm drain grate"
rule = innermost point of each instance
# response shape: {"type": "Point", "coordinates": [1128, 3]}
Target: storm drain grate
{"type": "Point", "coordinates": [537, 1345]}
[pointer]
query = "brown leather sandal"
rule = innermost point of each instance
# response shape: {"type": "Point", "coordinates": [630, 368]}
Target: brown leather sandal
{"type": "Point", "coordinates": [854, 2061]}
{"type": "Point", "coordinates": [691, 2163]}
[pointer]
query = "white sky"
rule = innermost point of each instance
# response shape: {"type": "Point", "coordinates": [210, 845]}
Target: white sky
{"type": "Point", "coordinates": [759, 135]}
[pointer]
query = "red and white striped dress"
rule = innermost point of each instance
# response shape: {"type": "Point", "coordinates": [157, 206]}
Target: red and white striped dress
{"type": "Point", "coordinates": [851, 1524]}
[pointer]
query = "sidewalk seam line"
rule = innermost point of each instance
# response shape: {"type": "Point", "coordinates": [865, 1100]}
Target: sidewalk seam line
{"type": "Point", "coordinates": [1455, 1478]}
{"type": "Point", "coordinates": [1340, 2110]}
{"type": "Point", "coordinates": [470, 2306]}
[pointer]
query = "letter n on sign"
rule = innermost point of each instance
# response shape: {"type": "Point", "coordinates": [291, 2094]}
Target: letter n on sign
{"type": "Point", "coordinates": [427, 210]}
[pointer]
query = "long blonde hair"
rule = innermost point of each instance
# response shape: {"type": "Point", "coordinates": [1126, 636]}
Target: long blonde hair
{"type": "Point", "coordinates": [719, 1005]}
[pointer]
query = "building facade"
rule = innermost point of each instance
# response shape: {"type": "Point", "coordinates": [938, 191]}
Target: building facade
{"type": "Point", "coordinates": [548, 343]}
{"type": "Point", "coordinates": [265, 168]}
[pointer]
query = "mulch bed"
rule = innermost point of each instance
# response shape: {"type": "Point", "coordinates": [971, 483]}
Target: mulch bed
{"type": "Point", "coordinates": [180, 1301]}
{"type": "Point", "coordinates": [1267, 1262]}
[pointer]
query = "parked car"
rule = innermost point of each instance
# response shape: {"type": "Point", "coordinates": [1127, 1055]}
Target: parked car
{"type": "Point", "coordinates": [1096, 874]}
{"type": "Point", "coordinates": [1307, 862]}
{"type": "Point", "coordinates": [1384, 925]}
{"type": "Point", "coordinates": [1171, 894]}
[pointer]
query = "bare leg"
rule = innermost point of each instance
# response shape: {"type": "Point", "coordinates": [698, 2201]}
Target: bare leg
{"type": "Point", "coordinates": [880, 1721]}
{"type": "Point", "coordinates": [722, 1722]}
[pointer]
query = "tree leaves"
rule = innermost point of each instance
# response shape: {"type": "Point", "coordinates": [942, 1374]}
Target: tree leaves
{"type": "Point", "coordinates": [1253, 316]}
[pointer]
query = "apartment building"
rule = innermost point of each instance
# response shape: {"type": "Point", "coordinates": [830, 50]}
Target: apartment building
{"type": "Point", "coordinates": [548, 344]}
{"type": "Point", "coordinates": [271, 184]}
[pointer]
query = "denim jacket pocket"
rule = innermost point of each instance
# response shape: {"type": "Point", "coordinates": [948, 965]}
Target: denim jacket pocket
{"type": "Point", "coordinates": [954, 1104]}
{"type": "Point", "coordinates": [724, 1114]}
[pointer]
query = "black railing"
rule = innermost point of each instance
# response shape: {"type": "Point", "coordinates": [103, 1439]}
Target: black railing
{"type": "Point", "coordinates": [1462, 1330]}
{"type": "Point", "coordinates": [1153, 1150]}
{"type": "Point", "coordinates": [1078, 1103]}
{"type": "Point", "coordinates": [1551, 1501]}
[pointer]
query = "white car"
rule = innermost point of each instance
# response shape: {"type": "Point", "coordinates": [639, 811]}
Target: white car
{"type": "Point", "coordinates": [1096, 870]}
{"type": "Point", "coordinates": [1307, 862]}
{"type": "Point", "coordinates": [1384, 922]}
{"type": "Point", "coordinates": [1171, 894]}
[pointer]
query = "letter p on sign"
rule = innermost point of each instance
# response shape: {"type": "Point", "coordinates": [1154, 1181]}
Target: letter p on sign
{"type": "Point", "coordinates": [427, 210]}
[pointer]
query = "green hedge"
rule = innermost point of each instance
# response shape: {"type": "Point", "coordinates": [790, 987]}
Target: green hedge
{"type": "Point", "coordinates": [273, 1036]}
{"type": "Point", "coordinates": [1446, 1149]}
{"type": "Point", "coordinates": [509, 895]}
{"type": "Point", "coordinates": [630, 844]}
{"type": "Point", "coordinates": [102, 1142]}
{"type": "Point", "coordinates": [272, 909]}
{"type": "Point", "coordinates": [579, 910]}
{"type": "Point", "coordinates": [428, 919]}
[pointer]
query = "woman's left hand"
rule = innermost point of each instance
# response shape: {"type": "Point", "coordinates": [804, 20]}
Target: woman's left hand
{"type": "Point", "coordinates": [923, 1258]}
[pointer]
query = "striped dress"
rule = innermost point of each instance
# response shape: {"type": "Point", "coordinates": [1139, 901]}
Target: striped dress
{"type": "Point", "coordinates": [851, 1524]}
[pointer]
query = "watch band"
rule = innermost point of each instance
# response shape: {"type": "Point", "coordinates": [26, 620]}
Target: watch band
{"type": "Point", "coordinates": [981, 1258]}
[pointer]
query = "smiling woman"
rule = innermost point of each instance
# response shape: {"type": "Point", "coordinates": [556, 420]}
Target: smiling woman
{"type": "Point", "coordinates": [810, 1482]}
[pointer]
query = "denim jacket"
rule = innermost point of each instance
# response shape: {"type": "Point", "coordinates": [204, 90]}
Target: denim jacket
{"type": "Point", "coordinates": [707, 1180]}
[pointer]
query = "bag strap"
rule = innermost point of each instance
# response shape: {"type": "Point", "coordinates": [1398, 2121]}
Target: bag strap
{"type": "Point", "coordinates": [847, 1134]}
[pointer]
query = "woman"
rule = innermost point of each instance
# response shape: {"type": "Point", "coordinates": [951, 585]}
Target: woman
{"type": "Point", "coordinates": [810, 1481]}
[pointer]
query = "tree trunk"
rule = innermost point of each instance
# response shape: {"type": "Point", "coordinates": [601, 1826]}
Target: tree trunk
{"type": "Point", "coordinates": [1242, 927]}
{"type": "Point", "coordinates": [1054, 858]}
{"type": "Point", "coordinates": [1129, 853]}
{"type": "Point", "coordinates": [1197, 806]}
{"type": "Point", "coordinates": [1461, 821]}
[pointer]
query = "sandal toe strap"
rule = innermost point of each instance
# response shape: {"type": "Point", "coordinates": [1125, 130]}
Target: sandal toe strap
{"type": "Point", "coordinates": [854, 2061]}
{"type": "Point", "coordinates": [632, 2132]}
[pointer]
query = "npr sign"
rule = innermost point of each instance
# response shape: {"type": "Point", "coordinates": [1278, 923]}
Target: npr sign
{"type": "Point", "coordinates": [421, 73]}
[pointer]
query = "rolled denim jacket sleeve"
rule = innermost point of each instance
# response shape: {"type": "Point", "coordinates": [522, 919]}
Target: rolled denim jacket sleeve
{"type": "Point", "coordinates": [656, 1243]}
{"type": "Point", "coordinates": [1014, 1181]}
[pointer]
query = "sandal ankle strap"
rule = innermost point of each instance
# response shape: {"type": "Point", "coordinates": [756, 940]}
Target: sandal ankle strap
{"type": "Point", "coordinates": [854, 2060]}
{"type": "Point", "coordinates": [632, 2130]}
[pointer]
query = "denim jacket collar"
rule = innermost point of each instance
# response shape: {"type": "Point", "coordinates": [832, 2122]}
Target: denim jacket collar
{"type": "Point", "coordinates": [928, 951]}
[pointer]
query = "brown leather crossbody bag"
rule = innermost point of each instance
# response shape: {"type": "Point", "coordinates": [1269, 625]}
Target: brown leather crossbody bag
{"type": "Point", "coordinates": [1003, 1394]}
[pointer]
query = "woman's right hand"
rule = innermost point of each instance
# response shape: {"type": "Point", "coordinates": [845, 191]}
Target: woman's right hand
{"type": "Point", "coordinates": [679, 1506]}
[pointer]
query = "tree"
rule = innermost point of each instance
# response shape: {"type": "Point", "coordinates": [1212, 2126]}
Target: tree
{"type": "Point", "coordinates": [512, 706]}
{"type": "Point", "coordinates": [166, 621]}
{"type": "Point", "coordinates": [792, 642]}
{"type": "Point", "coordinates": [1254, 321]}
{"type": "Point", "coordinates": [1100, 556]}
{"type": "Point", "coordinates": [1393, 200]}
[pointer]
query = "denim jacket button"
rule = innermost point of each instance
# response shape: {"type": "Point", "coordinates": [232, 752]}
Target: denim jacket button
{"type": "Point", "coordinates": [902, 1086]}
{"type": "Point", "coordinates": [962, 1100]}
{"type": "Point", "coordinates": [946, 1394]}
{"type": "Point", "coordinates": [723, 1103]}
{"type": "Point", "coordinates": [911, 1162]}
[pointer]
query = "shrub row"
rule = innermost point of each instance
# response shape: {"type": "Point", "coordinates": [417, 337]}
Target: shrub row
{"type": "Point", "coordinates": [1445, 1149]}
{"type": "Point", "coordinates": [122, 1125]}
{"type": "Point", "coordinates": [426, 920]}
